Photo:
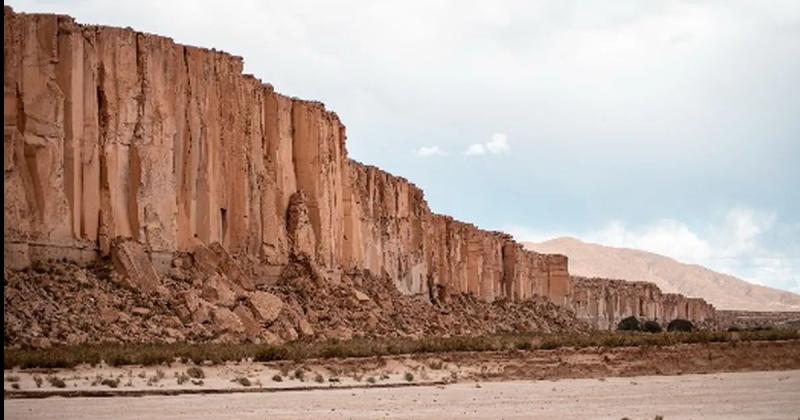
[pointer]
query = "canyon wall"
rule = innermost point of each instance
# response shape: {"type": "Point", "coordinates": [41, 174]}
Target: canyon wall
{"type": "Point", "coordinates": [110, 133]}
{"type": "Point", "coordinates": [605, 302]}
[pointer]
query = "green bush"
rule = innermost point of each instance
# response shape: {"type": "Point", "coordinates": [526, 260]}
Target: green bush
{"type": "Point", "coordinates": [652, 327]}
{"type": "Point", "coordinates": [630, 323]}
{"type": "Point", "coordinates": [680, 325]}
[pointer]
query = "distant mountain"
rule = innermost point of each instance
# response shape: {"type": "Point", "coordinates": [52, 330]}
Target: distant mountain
{"type": "Point", "coordinates": [722, 290]}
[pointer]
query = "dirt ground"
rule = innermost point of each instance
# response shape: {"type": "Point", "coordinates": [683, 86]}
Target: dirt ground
{"type": "Point", "coordinates": [744, 395]}
{"type": "Point", "coordinates": [683, 381]}
{"type": "Point", "coordinates": [444, 368]}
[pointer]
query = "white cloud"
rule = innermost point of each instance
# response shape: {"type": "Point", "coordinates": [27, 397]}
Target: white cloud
{"type": "Point", "coordinates": [497, 145]}
{"type": "Point", "coordinates": [736, 244]}
{"type": "Point", "coordinates": [475, 150]}
{"type": "Point", "coordinates": [427, 151]}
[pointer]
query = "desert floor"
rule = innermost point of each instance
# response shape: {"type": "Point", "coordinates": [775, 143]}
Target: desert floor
{"type": "Point", "coordinates": [743, 395]}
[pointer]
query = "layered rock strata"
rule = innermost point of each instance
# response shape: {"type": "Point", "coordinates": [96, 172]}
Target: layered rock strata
{"type": "Point", "coordinates": [110, 133]}
{"type": "Point", "coordinates": [124, 144]}
{"type": "Point", "coordinates": [604, 303]}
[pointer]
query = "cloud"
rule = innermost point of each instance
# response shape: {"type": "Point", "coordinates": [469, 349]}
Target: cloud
{"type": "Point", "coordinates": [736, 243]}
{"type": "Point", "coordinates": [475, 150]}
{"type": "Point", "coordinates": [428, 151]}
{"type": "Point", "coordinates": [497, 145]}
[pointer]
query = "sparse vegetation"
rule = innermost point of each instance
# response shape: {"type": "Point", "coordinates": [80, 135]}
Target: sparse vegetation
{"type": "Point", "coordinates": [181, 378]}
{"type": "Point", "coordinates": [12, 378]}
{"type": "Point", "coordinates": [195, 372]}
{"type": "Point", "coordinates": [163, 353]}
{"type": "Point", "coordinates": [56, 382]}
{"type": "Point", "coordinates": [277, 378]}
{"type": "Point", "coordinates": [242, 380]}
{"type": "Point", "coordinates": [110, 382]}
{"type": "Point", "coordinates": [319, 378]}
{"type": "Point", "coordinates": [409, 377]}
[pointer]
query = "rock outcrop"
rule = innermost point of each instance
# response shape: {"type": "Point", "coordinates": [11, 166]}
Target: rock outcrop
{"type": "Point", "coordinates": [208, 190]}
{"type": "Point", "coordinates": [111, 133]}
{"type": "Point", "coordinates": [605, 302]}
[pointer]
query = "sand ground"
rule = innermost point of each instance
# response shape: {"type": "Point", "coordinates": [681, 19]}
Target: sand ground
{"type": "Point", "coordinates": [744, 395]}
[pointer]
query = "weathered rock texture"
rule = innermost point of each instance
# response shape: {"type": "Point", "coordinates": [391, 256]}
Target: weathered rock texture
{"type": "Point", "coordinates": [111, 133]}
{"type": "Point", "coordinates": [203, 185]}
{"type": "Point", "coordinates": [605, 302]}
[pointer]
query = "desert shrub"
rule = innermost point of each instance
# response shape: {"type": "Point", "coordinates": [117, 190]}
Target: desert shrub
{"type": "Point", "coordinates": [680, 325]}
{"type": "Point", "coordinates": [300, 374]}
{"type": "Point", "coordinates": [277, 378]}
{"type": "Point", "coordinates": [652, 327]}
{"type": "Point", "coordinates": [409, 376]}
{"type": "Point", "coordinates": [319, 378]}
{"type": "Point", "coordinates": [195, 372]}
{"type": "Point", "coordinates": [57, 382]}
{"type": "Point", "coordinates": [630, 323]}
{"type": "Point", "coordinates": [111, 383]}
{"type": "Point", "coordinates": [243, 381]}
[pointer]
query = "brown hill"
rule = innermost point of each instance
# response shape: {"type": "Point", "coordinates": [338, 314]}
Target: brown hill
{"type": "Point", "coordinates": [722, 290]}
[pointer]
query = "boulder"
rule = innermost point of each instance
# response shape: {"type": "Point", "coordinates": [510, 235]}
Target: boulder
{"type": "Point", "coordinates": [225, 321]}
{"type": "Point", "coordinates": [132, 262]}
{"type": "Point", "coordinates": [266, 307]}
{"type": "Point", "coordinates": [217, 290]}
{"type": "Point", "coordinates": [215, 259]}
{"type": "Point", "coordinates": [251, 326]}
{"type": "Point", "coordinates": [231, 268]}
{"type": "Point", "coordinates": [360, 296]}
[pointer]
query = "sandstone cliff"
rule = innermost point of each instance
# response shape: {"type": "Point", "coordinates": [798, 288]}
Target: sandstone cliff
{"type": "Point", "coordinates": [722, 290]}
{"type": "Point", "coordinates": [112, 133]}
{"type": "Point", "coordinates": [204, 185]}
{"type": "Point", "coordinates": [604, 303]}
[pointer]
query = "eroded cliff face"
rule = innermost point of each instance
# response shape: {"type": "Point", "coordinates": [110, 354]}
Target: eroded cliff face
{"type": "Point", "coordinates": [111, 135]}
{"type": "Point", "coordinates": [605, 302]}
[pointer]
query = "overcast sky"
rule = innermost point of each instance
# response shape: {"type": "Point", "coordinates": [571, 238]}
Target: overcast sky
{"type": "Point", "coordinates": [668, 126]}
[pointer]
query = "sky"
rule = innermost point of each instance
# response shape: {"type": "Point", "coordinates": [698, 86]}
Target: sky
{"type": "Point", "coordinates": [669, 126]}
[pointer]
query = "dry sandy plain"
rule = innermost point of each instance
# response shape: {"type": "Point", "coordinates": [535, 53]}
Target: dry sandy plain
{"type": "Point", "coordinates": [744, 395]}
{"type": "Point", "coordinates": [724, 380]}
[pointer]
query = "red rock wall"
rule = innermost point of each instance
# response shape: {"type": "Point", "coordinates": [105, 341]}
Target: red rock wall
{"type": "Point", "coordinates": [605, 303]}
{"type": "Point", "coordinates": [111, 133]}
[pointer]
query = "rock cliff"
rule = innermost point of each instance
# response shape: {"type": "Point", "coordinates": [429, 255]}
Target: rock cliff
{"type": "Point", "coordinates": [110, 133]}
{"type": "Point", "coordinates": [127, 145]}
{"type": "Point", "coordinates": [605, 302]}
